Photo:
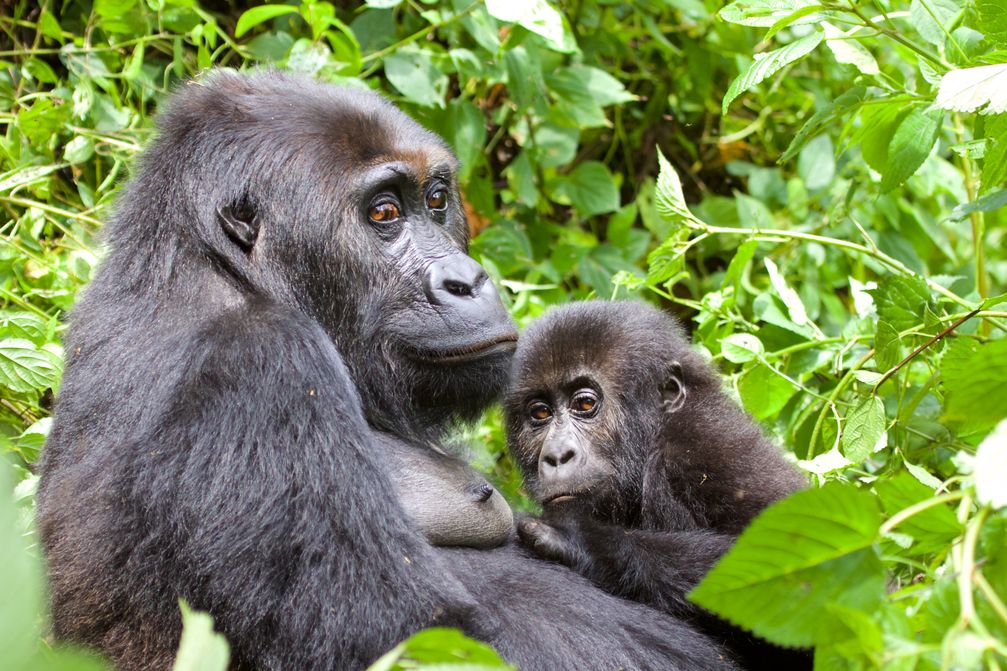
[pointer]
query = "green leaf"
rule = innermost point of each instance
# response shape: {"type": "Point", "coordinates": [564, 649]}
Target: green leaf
{"type": "Point", "coordinates": [887, 346]}
{"type": "Point", "coordinates": [864, 429]}
{"type": "Point", "coordinates": [581, 93]}
{"type": "Point", "coordinates": [539, 17]}
{"type": "Point", "coordinates": [770, 63]}
{"type": "Point", "coordinates": [25, 367]}
{"type": "Point", "coordinates": [413, 73]}
{"type": "Point", "coordinates": [848, 50]}
{"type": "Point", "coordinates": [995, 159]}
{"type": "Point", "coordinates": [932, 529]}
{"type": "Point", "coordinates": [993, 20]}
{"type": "Point", "coordinates": [589, 188]}
{"type": "Point", "coordinates": [763, 392]}
{"type": "Point", "coordinates": [669, 199]}
{"type": "Point", "coordinates": [741, 347]}
{"type": "Point", "coordinates": [900, 301]}
{"type": "Point", "coordinates": [821, 119]}
{"type": "Point", "coordinates": [442, 649]}
{"type": "Point", "coordinates": [801, 555]}
{"type": "Point", "coordinates": [934, 19]}
{"type": "Point", "coordinates": [763, 13]}
{"type": "Point", "coordinates": [988, 203]}
{"type": "Point", "coordinates": [915, 137]}
{"type": "Point", "coordinates": [201, 648]}
{"type": "Point", "coordinates": [261, 14]}
{"type": "Point", "coordinates": [975, 378]}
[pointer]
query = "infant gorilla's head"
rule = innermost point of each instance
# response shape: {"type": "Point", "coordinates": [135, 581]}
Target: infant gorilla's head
{"type": "Point", "coordinates": [594, 388]}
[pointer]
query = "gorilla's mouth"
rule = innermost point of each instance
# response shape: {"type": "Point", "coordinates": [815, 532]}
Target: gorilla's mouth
{"type": "Point", "coordinates": [479, 350]}
{"type": "Point", "coordinates": [559, 498]}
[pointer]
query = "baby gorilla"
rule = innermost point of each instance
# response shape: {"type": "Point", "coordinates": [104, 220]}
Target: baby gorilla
{"type": "Point", "coordinates": [646, 470]}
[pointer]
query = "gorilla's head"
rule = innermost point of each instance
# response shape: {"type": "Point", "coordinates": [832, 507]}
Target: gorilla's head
{"type": "Point", "coordinates": [337, 203]}
{"type": "Point", "coordinates": [596, 389]}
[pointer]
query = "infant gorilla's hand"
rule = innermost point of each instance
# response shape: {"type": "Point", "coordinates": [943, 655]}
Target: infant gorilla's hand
{"type": "Point", "coordinates": [557, 538]}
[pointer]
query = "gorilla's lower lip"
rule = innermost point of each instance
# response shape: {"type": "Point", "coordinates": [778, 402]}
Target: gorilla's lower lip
{"type": "Point", "coordinates": [559, 498]}
{"type": "Point", "coordinates": [472, 352]}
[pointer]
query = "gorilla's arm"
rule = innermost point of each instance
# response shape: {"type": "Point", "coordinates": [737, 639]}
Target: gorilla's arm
{"type": "Point", "coordinates": [252, 489]}
{"type": "Point", "coordinates": [657, 568]}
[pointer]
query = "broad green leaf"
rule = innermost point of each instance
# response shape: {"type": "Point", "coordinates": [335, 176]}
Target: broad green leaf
{"type": "Point", "coordinates": [934, 19]}
{"type": "Point", "coordinates": [539, 17]}
{"type": "Point", "coordinates": [887, 346]}
{"type": "Point", "coordinates": [763, 392]}
{"type": "Point", "coordinates": [932, 529]}
{"type": "Point", "coordinates": [975, 378]}
{"type": "Point", "coordinates": [988, 203]}
{"type": "Point", "coordinates": [878, 122]}
{"type": "Point", "coordinates": [995, 159]}
{"type": "Point", "coordinates": [913, 140]}
{"type": "Point", "coordinates": [590, 188]}
{"type": "Point", "coordinates": [741, 347]}
{"type": "Point", "coordinates": [582, 92]}
{"type": "Point", "coordinates": [669, 199]}
{"type": "Point", "coordinates": [768, 64]}
{"type": "Point", "coordinates": [864, 429]}
{"type": "Point", "coordinates": [443, 649]}
{"type": "Point", "coordinates": [413, 73]}
{"type": "Point", "coordinates": [25, 367]}
{"type": "Point", "coordinates": [201, 648]}
{"type": "Point", "coordinates": [993, 19]}
{"type": "Point", "coordinates": [742, 257]}
{"type": "Point", "coordinates": [848, 50]}
{"type": "Point", "coordinates": [970, 89]}
{"type": "Point", "coordinates": [763, 13]}
{"type": "Point", "coordinates": [900, 301]}
{"type": "Point", "coordinates": [256, 15]}
{"type": "Point", "coordinates": [467, 134]}
{"type": "Point", "coordinates": [801, 555]}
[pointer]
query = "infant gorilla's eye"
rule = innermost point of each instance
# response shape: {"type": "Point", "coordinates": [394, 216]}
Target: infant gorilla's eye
{"type": "Point", "coordinates": [437, 200]}
{"type": "Point", "coordinates": [539, 411]}
{"type": "Point", "coordinates": [384, 213]}
{"type": "Point", "coordinates": [584, 403]}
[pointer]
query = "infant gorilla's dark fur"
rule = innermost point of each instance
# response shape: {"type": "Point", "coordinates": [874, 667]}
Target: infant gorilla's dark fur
{"type": "Point", "coordinates": [647, 471]}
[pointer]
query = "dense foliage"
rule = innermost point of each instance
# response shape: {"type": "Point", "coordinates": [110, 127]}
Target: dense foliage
{"type": "Point", "coordinates": [842, 257]}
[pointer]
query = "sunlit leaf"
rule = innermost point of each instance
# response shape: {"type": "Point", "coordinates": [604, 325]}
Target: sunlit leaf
{"type": "Point", "coordinates": [982, 89]}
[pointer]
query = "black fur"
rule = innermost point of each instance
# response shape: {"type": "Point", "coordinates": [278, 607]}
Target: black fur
{"type": "Point", "coordinates": [227, 370]}
{"type": "Point", "coordinates": [646, 469]}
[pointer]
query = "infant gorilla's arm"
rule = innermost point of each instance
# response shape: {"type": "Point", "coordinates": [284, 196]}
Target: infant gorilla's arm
{"type": "Point", "coordinates": [451, 503]}
{"type": "Point", "coordinates": [657, 568]}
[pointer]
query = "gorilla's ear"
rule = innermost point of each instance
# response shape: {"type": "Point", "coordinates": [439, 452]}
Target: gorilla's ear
{"type": "Point", "coordinates": [673, 388]}
{"type": "Point", "coordinates": [240, 223]}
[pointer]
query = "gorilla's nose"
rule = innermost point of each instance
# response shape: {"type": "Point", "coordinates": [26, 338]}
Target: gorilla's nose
{"type": "Point", "coordinates": [453, 278]}
{"type": "Point", "coordinates": [559, 459]}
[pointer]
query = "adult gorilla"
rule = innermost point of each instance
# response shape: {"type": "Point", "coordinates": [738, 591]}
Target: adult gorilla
{"type": "Point", "coordinates": [286, 291]}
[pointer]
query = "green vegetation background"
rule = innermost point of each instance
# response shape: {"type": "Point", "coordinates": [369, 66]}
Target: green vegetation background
{"type": "Point", "coordinates": [842, 257]}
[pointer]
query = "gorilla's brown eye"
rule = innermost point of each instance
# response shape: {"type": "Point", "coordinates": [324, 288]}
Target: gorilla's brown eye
{"type": "Point", "coordinates": [437, 200]}
{"type": "Point", "coordinates": [539, 411]}
{"type": "Point", "coordinates": [584, 403]}
{"type": "Point", "coordinates": [383, 213]}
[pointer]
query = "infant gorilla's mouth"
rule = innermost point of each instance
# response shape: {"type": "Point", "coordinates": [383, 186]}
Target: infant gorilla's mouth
{"type": "Point", "coordinates": [472, 352]}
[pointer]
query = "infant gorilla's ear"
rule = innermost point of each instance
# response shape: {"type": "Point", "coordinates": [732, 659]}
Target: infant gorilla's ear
{"type": "Point", "coordinates": [451, 503]}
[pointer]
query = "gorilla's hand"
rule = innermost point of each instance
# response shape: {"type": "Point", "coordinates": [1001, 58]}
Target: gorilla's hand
{"type": "Point", "coordinates": [556, 538]}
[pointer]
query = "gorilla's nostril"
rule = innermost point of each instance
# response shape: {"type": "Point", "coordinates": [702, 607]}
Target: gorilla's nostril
{"type": "Point", "coordinates": [567, 456]}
